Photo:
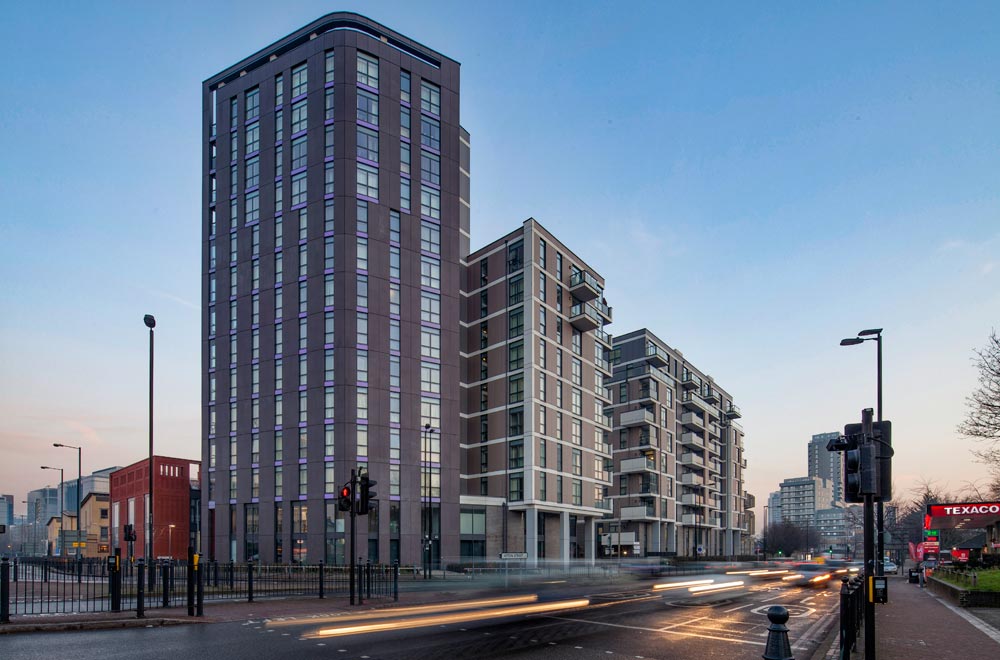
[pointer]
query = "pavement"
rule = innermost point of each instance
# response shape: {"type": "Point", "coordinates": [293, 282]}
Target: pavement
{"type": "Point", "coordinates": [918, 625]}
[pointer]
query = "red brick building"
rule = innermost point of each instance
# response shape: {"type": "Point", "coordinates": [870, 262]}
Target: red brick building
{"type": "Point", "coordinates": [176, 512]}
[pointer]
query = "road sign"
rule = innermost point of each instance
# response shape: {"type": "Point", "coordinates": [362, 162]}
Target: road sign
{"type": "Point", "coordinates": [513, 555]}
{"type": "Point", "coordinates": [636, 546]}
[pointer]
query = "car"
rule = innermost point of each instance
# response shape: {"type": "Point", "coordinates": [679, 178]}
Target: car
{"type": "Point", "coordinates": [889, 566]}
{"type": "Point", "coordinates": [809, 575]}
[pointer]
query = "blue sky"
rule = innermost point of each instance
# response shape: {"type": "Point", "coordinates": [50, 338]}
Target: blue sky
{"type": "Point", "coordinates": [753, 182]}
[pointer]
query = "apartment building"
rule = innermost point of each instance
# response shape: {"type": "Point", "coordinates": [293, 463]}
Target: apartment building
{"type": "Point", "coordinates": [827, 465]}
{"type": "Point", "coordinates": [335, 218]}
{"type": "Point", "coordinates": [534, 375]}
{"type": "Point", "coordinates": [678, 456]}
{"type": "Point", "coordinates": [802, 497]}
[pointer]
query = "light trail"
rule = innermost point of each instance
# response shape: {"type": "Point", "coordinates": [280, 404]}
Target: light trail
{"type": "Point", "coordinates": [459, 617]}
{"type": "Point", "coordinates": [415, 609]}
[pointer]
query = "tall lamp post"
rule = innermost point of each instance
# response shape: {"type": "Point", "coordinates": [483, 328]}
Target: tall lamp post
{"type": "Point", "coordinates": [150, 322]}
{"type": "Point", "coordinates": [79, 478]}
{"type": "Point", "coordinates": [61, 504]}
{"type": "Point", "coordinates": [425, 497]}
{"type": "Point", "coordinates": [874, 334]}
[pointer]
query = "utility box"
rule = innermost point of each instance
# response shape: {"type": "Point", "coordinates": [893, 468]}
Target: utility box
{"type": "Point", "coordinates": [879, 592]}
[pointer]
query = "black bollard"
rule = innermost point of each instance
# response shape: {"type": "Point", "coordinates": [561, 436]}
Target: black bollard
{"type": "Point", "coordinates": [4, 590]}
{"type": "Point", "coordinates": [200, 603]}
{"type": "Point", "coordinates": [321, 594]}
{"type": "Point", "coordinates": [140, 604]}
{"type": "Point", "coordinates": [249, 581]}
{"type": "Point", "coordinates": [777, 646]}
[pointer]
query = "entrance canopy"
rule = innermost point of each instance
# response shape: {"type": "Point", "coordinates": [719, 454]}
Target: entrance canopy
{"type": "Point", "coordinates": [963, 515]}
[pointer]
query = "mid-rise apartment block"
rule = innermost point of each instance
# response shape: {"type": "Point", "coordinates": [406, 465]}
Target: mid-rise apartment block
{"type": "Point", "coordinates": [678, 455]}
{"type": "Point", "coordinates": [802, 497]}
{"type": "Point", "coordinates": [535, 370]}
{"type": "Point", "coordinates": [335, 218]}
{"type": "Point", "coordinates": [827, 465]}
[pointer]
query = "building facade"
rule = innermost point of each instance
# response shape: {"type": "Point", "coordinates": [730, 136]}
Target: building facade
{"type": "Point", "coordinates": [176, 507]}
{"type": "Point", "coordinates": [801, 498]}
{"type": "Point", "coordinates": [336, 216]}
{"type": "Point", "coordinates": [827, 465]}
{"type": "Point", "coordinates": [535, 367]}
{"type": "Point", "coordinates": [773, 513]}
{"type": "Point", "coordinates": [678, 455]}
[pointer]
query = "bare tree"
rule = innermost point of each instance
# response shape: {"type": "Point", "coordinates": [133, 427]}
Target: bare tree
{"type": "Point", "coordinates": [983, 420]}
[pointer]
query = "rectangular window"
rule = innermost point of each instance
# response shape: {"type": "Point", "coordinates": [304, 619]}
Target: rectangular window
{"type": "Point", "coordinates": [394, 263]}
{"type": "Point", "coordinates": [430, 377]}
{"type": "Point", "coordinates": [516, 455]}
{"type": "Point", "coordinates": [299, 189]}
{"type": "Point", "coordinates": [328, 66]}
{"type": "Point", "coordinates": [430, 307]}
{"type": "Point", "coordinates": [299, 152]}
{"type": "Point", "coordinates": [430, 168]}
{"type": "Point", "coordinates": [252, 203]}
{"type": "Point", "coordinates": [300, 116]}
{"type": "Point", "coordinates": [404, 158]}
{"type": "Point", "coordinates": [515, 422]}
{"type": "Point", "coordinates": [394, 294]}
{"type": "Point", "coordinates": [368, 108]}
{"type": "Point", "coordinates": [253, 138]}
{"type": "Point", "coordinates": [279, 89]}
{"type": "Point", "coordinates": [515, 290]}
{"type": "Point", "coordinates": [430, 203]}
{"type": "Point", "coordinates": [252, 172]}
{"type": "Point", "coordinates": [430, 272]}
{"type": "Point", "coordinates": [252, 103]}
{"type": "Point", "coordinates": [300, 79]}
{"type": "Point", "coordinates": [430, 97]}
{"type": "Point", "coordinates": [515, 388]}
{"type": "Point", "coordinates": [362, 253]}
{"type": "Point", "coordinates": [404, 86]}
{"type": "Point", "coordinates": [367, 181]}
{"type": "Point", "coordinates": [430, 342]}
{"type": "Point", "coordinates": [515, 322]}
{"type": "Point", "coordinates": [515, 352]}
{"type": "Point", "coordinates": [404, 194]}
{"type": "Point", "coordinates": [328, 106]}
{"type": "Point", "coordinates": [367, 70]}
{"type": "Point", "coordinates": [430, 237]}
{"type": "Point", "coordinates": [362, 291]}
{"type": "Point", "coordinates": [328, 141]}
{"type": "Point", "coordinates": [404, 128]}
{"type": "Point", "coordinates": [367, 144]}
{"type": "Point", "coordinates": [430, 133]}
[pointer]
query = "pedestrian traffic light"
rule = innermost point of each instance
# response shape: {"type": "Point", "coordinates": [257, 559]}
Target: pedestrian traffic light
{"type": "Point", "coordinates": [346, 499]}
{"type": "Point", "coordinates": [367, 494]}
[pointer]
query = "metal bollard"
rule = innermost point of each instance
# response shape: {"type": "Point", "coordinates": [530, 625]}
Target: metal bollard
{"type": "Point", "coordinates": [165, 580]}
{"type": "Point", "coordinates": [321, 595]}
{"type": "Point", "coordinates": [15, 569]}
{"type": "Point", "coordinates": [777, 646]}
{"type": "Point", "coordinates": [249, 581]}
{"type": "Point", "coordinates": [5, 590]}
{"type": "Point", "coordinates": [140, 604]}
{"type": "Point", "coordinates": [200, 603]}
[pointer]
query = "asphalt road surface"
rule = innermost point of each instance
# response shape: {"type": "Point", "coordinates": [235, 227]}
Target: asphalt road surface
{"type": "Point", "coordinates": [636, 623]}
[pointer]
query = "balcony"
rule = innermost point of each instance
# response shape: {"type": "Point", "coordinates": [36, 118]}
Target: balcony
{"type": "Point", "coordinates": [710, 395]}
{"type": "Point", "coordinates": [692, 499]}
{"type": "Point", "coordinates": [693, 440]}
{"type": "Point", "coordinates": [692, 479]}
{"type": "Point", "coordinates": [693, 421]}
{"type": "Point", "coordinates": [647, 439]}
{"type": "Point", "coordinates": [584, 317]}
{"type": "Point", "coordinates": [692, 460]}
{"type": "Point", "coordinates": [647, 512]}
{"type": "Point", "coordinates": [733, 411]}
{"type": "Point", "coordinates": [638, 464]}
{"type": "Point", "coordinates": [689, 519]}
{"type": "Point", "coordinates": [714, 431]}
{"type": "Point", "coordinates": [603, 337]}
{"type": "Point", "coordinates": [584, 286]}
{"type": "Point", "coordinates": [648, 488]}
{"type": "Point", "coordinates": [603, 365]}
{"type": "Point", "coordinates": [637, 418]}
{"type": "Point", "coordinates": [603, 504]}
{"type": "Point", "coordinates": [656, 356]}
{"type": "Point", "coordinates": [692, 401]}
{"type": "Point", "coordinates": [690, 381]}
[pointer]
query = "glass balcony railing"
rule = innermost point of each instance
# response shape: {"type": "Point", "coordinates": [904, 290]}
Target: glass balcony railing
{"type": "Point", "coordinates": [583, 277]}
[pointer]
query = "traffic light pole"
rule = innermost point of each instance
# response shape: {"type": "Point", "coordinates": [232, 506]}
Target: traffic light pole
{"type": "Point", "coordinates": [354, 515]}
{"type": "Point", "coordinates": [866, 424]}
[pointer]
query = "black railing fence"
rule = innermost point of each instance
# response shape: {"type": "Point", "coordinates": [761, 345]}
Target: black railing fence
{"type": "Point", "coordinates": [47, 585]}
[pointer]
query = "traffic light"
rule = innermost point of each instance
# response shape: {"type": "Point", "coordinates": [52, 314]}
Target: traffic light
{"type": "Point", "coordinates": [861, 475]}
{"type": "Point", "coordinates": [129, 534]}
{"type": "Point", "coordinates": [346, 500]}
{"type": "Point", "coordinates": [367, 494]}
{"type": "Point", "coordinates": [882, 434]}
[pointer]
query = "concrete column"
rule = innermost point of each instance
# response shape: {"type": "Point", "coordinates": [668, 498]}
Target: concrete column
{"type": "Point", "coordinates": [656, 543]}
{"type": "Point", "coordinates": [531, 535]}
{"type": "Point", "coordinates": [589, 541]}
{"type": "Point", "coordinates": [564, 537]}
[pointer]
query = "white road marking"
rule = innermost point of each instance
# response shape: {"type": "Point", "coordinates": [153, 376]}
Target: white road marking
{"type": "Point", "coordinates": [668, 632]}
{"type": "Point", "coordinates": [733, 609]}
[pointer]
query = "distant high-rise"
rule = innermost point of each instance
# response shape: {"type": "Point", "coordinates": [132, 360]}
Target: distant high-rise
{"type": "Point", "coordinates": [774, 508]}
{"type": "Point", "coordinates": [335, 217]}
{"type": "Point", "coordinates": [827, 465]}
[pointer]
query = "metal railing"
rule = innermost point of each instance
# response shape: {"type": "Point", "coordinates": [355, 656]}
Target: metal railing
{"type": "Point", "coordinates": [852, 599]}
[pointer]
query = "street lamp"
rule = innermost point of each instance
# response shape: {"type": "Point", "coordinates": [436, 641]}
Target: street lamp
{"type": "Point", "coordinates": [61, 503]}
{"type": "Point", "coordinates": [874, 334]}
{"type": "Point", "coordinates": [150, 323]}
{"type": "Point", "coordinates": [170, 539]}
{"type": "Point", "coordinates": [425, 495]}
{"type": "Point", "coordinates": [79, 478]}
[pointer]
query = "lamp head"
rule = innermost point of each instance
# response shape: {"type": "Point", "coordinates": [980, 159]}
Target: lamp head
{"type": "Point", "coordinates": [872, 331]}
{"type": "Point", "coordinates": [149, 321]}
{"type": "Point", "coordinates": [852, 341]}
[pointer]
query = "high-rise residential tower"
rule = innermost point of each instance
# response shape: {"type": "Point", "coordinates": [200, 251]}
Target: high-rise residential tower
{"type": "Point", "coordinates": [335, 216]}
{"type": "Point", "coordinates": [827, 465]}
{"type": "Point", "coordinates": [535, 359]}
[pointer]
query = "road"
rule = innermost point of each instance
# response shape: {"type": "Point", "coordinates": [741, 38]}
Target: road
{"type": "Point", "coordinates": [635, 623]}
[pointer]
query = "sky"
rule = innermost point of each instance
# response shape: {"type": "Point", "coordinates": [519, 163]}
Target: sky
{"type": "Point", "coordinates": [754, 182]}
